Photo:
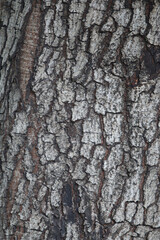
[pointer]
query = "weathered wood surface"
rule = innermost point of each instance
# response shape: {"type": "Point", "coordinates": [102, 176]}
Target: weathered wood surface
{"type": "Point", "coordinates": [80, 142]}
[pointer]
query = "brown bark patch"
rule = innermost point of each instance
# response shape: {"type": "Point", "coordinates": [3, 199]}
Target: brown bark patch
{"type": "Point", "coordinates": [32, 137]}
{"type": "Point", "coordinates": [28, 51]}
{"type": "Point", "coordinates": [133, 80]}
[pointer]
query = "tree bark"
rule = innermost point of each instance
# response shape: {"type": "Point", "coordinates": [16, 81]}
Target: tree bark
{"type": "Point", "coordinates": [80, 140]}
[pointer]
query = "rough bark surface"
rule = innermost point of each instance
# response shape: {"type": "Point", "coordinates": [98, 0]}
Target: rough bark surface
{"type": "Point", "coordinates": [80, 142]}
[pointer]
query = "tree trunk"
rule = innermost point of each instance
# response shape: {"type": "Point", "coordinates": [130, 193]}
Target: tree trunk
{"type": "Point", "coordinates": [79, 91]}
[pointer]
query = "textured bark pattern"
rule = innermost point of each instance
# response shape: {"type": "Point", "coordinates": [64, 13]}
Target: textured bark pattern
{"type": "Point", "coordinates": [79, 92]}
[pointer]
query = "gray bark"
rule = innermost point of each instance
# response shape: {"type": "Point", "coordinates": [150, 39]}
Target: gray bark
{"type": "Point", "coordinates": [79, 92]}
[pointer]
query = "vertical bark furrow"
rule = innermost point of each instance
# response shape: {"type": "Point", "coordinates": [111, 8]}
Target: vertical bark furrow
{"type": "Point", "coordinates": [29, 47]}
